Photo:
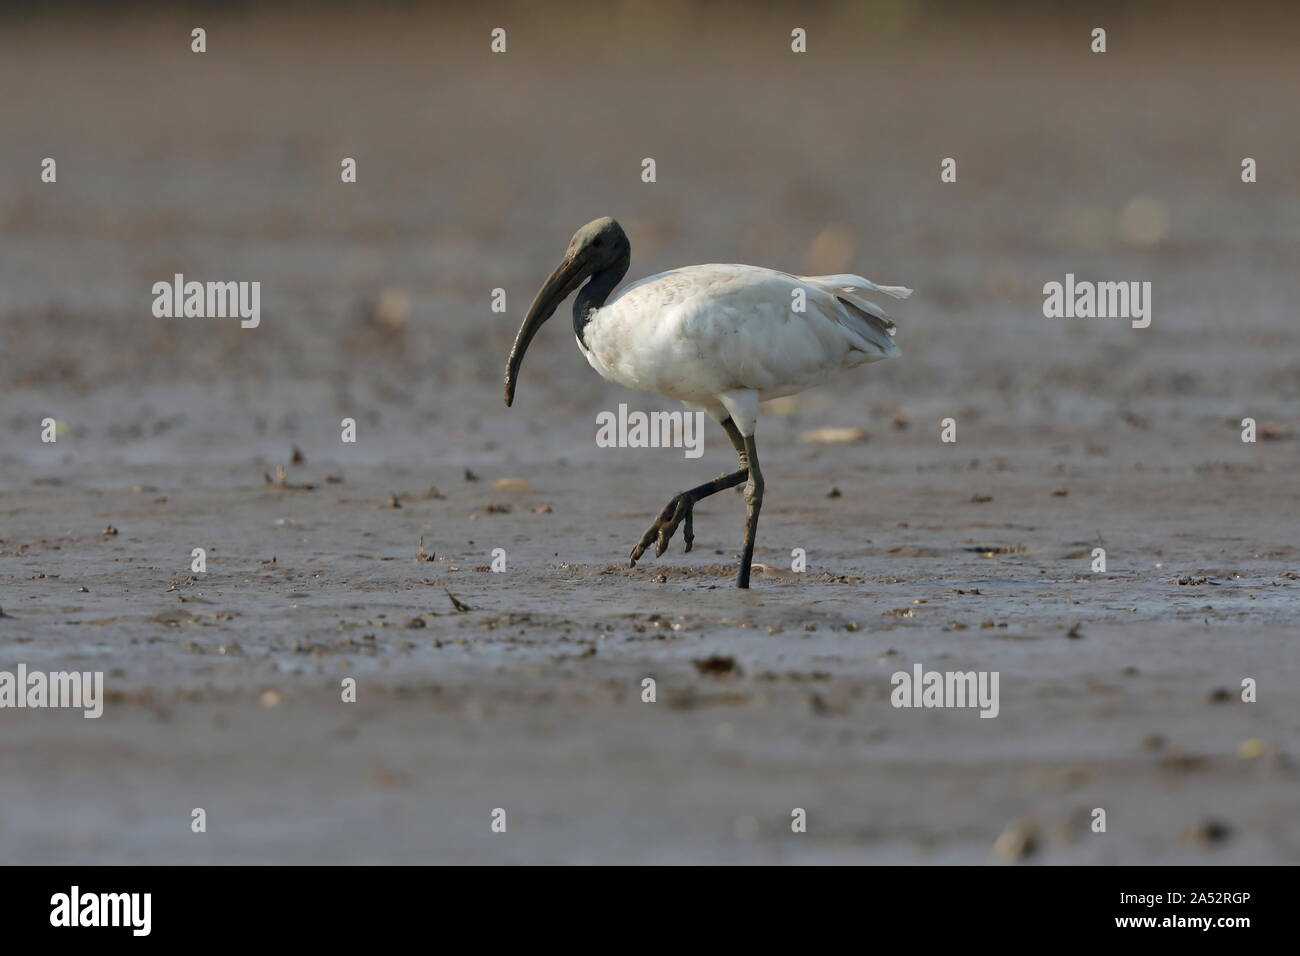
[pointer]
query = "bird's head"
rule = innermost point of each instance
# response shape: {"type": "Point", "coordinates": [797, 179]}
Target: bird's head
{"type": "Point", "coordinates": [599, 245]}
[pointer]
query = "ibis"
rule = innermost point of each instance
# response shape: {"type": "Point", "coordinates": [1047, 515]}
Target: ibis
{"type": "Point", "coordinates": [719, 338]}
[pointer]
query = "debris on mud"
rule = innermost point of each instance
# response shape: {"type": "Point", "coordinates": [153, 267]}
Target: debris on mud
{"type": "Point", "coordinates": [718, 665]}
{"type": "Point", "coordinates": [993, 550]}
{"type": "Point", "coordinates": [280, 481]}
{"type": "Point", "coordinates": [1209, 831]}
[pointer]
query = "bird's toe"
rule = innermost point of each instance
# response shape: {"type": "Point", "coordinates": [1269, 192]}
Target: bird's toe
{"type": "Point", "coordinates": [681, 512]}
{"type": "Point", "coordinates": [675, 513]}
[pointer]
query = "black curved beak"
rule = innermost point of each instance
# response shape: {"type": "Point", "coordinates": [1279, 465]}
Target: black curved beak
{"type": "Point", "coordinates": [567, 276]}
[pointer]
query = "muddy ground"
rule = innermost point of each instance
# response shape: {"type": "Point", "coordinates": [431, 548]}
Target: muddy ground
{"type": "Point", "coordinates": [523, 690]}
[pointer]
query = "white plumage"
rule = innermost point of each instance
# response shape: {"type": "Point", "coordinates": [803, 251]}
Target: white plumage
{"type": "Point", "coordinates": [720, 338]}
{"type": "Point", "coordinates": [725, 337]}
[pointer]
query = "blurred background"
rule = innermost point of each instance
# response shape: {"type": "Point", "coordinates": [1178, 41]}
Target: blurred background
{"type": "Point", "coordinates": [474, 169]}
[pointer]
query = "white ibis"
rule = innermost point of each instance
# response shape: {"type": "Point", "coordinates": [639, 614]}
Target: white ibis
{"type": "Point", "coordinates": [720, 338]}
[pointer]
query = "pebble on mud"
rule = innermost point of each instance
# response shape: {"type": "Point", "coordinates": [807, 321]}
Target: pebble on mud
{"type": "Point", "coordinates": [831, 435]}
{"type": "Point", "coordinates": [511, 484]}
{"type": "Point", "coordinates": [1251, 749]}
{"type": "Point", "coordinates": [1018, 840]}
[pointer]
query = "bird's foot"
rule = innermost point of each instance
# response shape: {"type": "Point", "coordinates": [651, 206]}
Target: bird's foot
{"type": "Point", "coordinates": [677, 511]}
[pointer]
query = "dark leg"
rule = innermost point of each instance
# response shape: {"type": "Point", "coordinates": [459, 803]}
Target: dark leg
{"type": "Point", "coordinates": [680, 509]}
{"type": "Point", "coordinates": [753, 503]}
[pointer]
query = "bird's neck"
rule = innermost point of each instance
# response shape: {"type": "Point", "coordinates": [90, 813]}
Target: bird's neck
{"type": "Point", "coordinates": [593, 295]}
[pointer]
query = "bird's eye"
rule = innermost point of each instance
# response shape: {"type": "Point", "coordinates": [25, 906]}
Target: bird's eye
{"type": "Point", "coordinates": [598, 243]}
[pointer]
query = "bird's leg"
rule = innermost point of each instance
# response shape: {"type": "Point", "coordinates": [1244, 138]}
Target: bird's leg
{"type": "Point", "coordinates": [680, 509]}
{"type": "Point", "coordinates": [753, 503]}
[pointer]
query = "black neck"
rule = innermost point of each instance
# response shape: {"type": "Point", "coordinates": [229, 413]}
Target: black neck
{"type": "Point", "coordinates": [593, 295]}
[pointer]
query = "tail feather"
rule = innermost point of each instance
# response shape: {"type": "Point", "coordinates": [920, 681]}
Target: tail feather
{"type": "Point", "coordinates": [859, 314]}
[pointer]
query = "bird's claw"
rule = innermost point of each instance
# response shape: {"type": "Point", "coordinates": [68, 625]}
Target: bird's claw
{"type": "Point", "coordinates": [678, 511]}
